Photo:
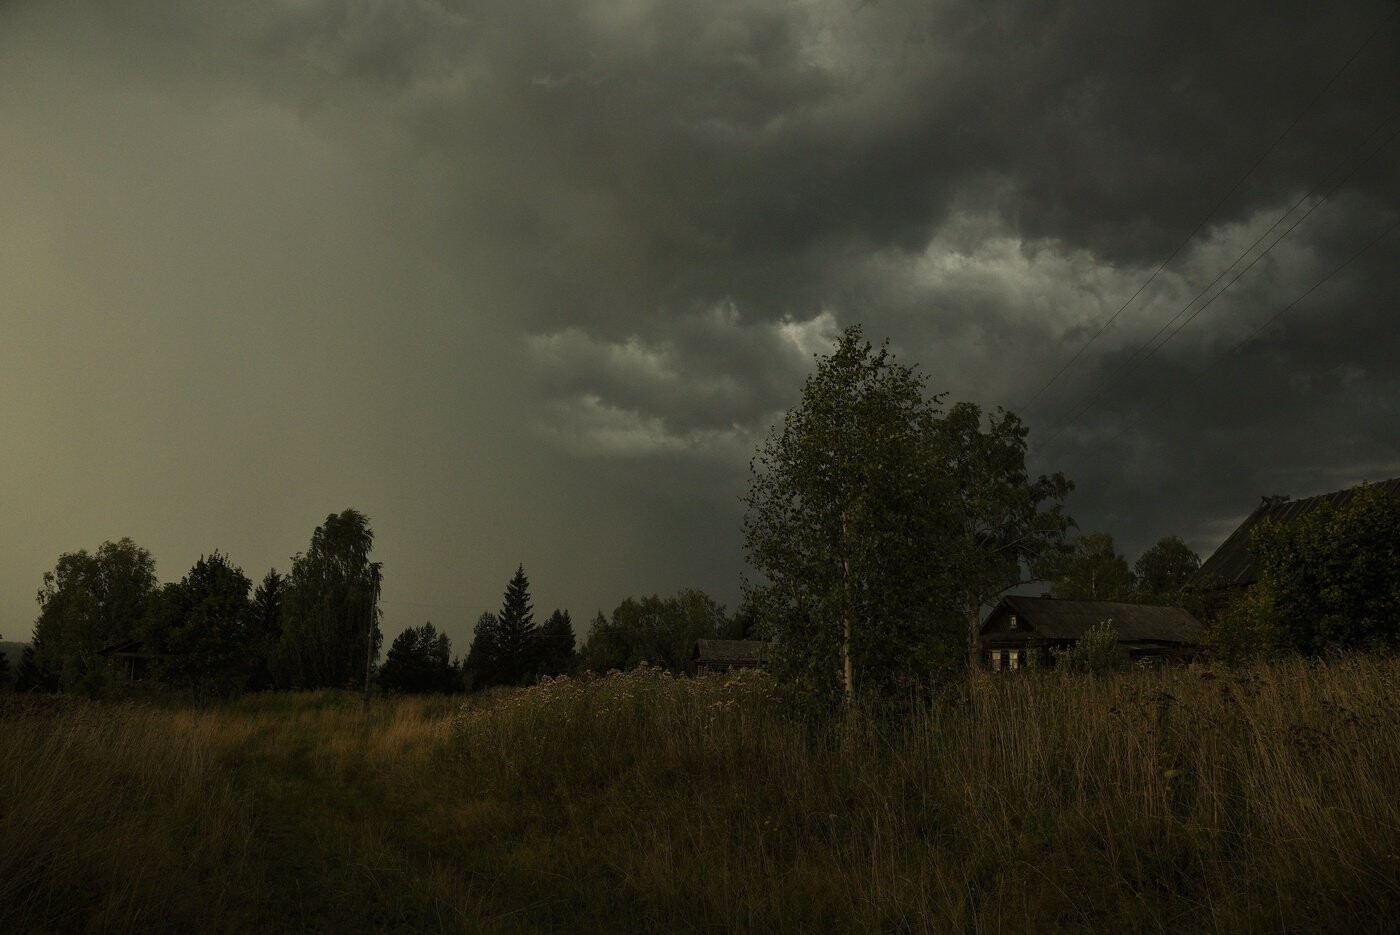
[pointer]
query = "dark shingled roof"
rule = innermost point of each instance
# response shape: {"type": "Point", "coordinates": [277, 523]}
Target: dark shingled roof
{"type": "Point", "coordinates": [1070, 620]}
{"type": "Point", "coordinates": [1233, 566]}
{"type": "Point", "coordinates": [732, 651]}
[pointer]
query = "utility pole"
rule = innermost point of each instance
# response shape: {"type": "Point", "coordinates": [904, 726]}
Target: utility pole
{"type": "Point", "coordinates": [369, 628]}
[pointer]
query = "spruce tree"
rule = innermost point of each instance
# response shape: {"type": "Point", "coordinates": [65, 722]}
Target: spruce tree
{"type": "Point", "coordinates": [516, 632]}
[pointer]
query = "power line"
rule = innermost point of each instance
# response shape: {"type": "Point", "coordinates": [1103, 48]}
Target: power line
{"type": "Point", "coordinates": [1150, 347]}
{"type": "Point", "coordinates": [1216, 207]}
{"type": "Point", "coordinates": [1167, 397]}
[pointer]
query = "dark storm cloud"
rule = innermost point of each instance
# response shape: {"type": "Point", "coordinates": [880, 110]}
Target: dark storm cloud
{"type": "Point", "coordinates": [603, 239]}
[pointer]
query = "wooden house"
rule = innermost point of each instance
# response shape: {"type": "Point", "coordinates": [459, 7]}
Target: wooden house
{"type": "Point", "coordinates": [714, 656]}
{"type": "Point", "coordinates": [1231, 569]}
{"type": "Point", "coordinates": [1026, 632]}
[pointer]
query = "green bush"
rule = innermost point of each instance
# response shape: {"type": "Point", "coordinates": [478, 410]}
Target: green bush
{"type": "Point", "coordinates": [1097, 653]}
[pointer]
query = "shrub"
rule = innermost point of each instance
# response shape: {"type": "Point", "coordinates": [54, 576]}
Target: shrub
{"type": "Point", "coordinates": [1096, 652]}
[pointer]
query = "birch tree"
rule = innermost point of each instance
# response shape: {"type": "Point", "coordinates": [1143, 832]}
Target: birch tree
{"type": "Point", "coordinates": [852, 525]}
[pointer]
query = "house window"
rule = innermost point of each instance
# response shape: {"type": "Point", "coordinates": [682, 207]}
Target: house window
{"type": "Point", "coordinates": [996, 660]}
{"type": "Point", "coordinates": [1014, 621]}
{"type": "Point", "coordinates": [1015, 658]}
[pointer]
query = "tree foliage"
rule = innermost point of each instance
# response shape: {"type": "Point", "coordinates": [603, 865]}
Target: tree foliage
{"type": "Point", "coordinates": [419, 661]}
{"type": "Point", "coordinates": [329, 607]}
{"type": "Point", "coordinates": [853, 525]}
{"type": "Point", "coordinates": [1096, 653]}
{"type": "Point", "coordinates": [483, 657]}
{"type": "Point", "coordinates": [198, 627]}
{"type": "Point", "coordinates": [1330, 580]}
{"type": "Point", "coordinates": [1160, 573]}
{"type": "Point", "coordinates": [656, 631]}
{"type": "Point", "coordinates": [555, 651]}
{"type": "Point", "coordinates": [516, 631]}
{"type": "Point", "coordinates": [1010, 526]}
{"type": "Point", "coordinates": [265, 631]}
{"type": "Point", "coordinates": [88, 602]}
{"type": "Point", "coordinates": [1092, 571]}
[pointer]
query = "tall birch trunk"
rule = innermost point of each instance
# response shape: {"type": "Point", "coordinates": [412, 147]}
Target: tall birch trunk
{"type": "Point", "coordinates": [847, 667]}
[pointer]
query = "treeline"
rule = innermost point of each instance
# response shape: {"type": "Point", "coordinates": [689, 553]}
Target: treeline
{"type": "Point", "coordinates": [211, 633]}
{"type": "Point", "coordinates": [509, 648]}
{"type": "Point", "coordinates": [1092, 569]}
{"type": "Point", "coordinates": [105, 619]}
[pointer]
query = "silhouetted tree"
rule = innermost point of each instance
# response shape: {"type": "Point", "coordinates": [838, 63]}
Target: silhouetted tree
{"type": "Point", "coordinates": [483, 664]}
{"type": "Point", "coordinates": [265, 631]}
{"type": "Point", "coordinates": [1092, 571]}
{"type": "Point", "coordinates": [30, 676]}
{"type": "Point", "coordinates": [198, 627]}
{"type": "Point", "coordinates": [419, 661]}
{"type": "Point", "coordinates": [1010, 525]}
{"type": "Point", "coordinates": [328, 605]}
{"type": "Point", "coordinates": [555, 645]}
{"type": "Point", "coordinates": [1161, 572]}
{"type": "Point", "coordinates": [5, 670]}
{"type": "Point", "coordinates": [88, 602]}
{"type": "Point", "coordinates": [654, 631]}
{"type": "Point", "coordinates": [606, 647]}
{"type": "Point", "coordinates": [516, 632]}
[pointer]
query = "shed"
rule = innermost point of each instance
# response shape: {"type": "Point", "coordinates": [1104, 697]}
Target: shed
{"type": "Point", "coordinates": [129, 659]}
{"type": "Point", "coordinates": [1026, 631]}
{"type": "Point", "coordinates": [714, 656]}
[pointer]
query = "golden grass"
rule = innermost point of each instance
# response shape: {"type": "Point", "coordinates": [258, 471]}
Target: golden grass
{"type": "Point", "coordinates": [1175, 801]}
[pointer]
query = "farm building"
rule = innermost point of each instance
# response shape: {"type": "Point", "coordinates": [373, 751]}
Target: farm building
{"type": "Point", "coordinates": [715, 656]}
{"type": "Point", "coordinates": [1027, 631]}
{"type": "Point", "coordinates": [1231, 569]}
{"type": "Point", "coordinates": [129, 660]}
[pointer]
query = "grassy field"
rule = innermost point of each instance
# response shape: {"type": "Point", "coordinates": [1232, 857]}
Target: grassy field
{"type": "Point", "coordinates": [1262, 800]}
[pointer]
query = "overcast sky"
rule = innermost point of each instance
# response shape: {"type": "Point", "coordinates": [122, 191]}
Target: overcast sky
{"type": "Point", "coordinates": [528, 281]}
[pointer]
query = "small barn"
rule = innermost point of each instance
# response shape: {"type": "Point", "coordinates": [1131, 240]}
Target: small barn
{"type": "Point", "coordinates": [716, 656]}
{"type": "Point", "coordinates": [1026, 632]}
{"type": "Point", "coordinates": [129, 660]}
{"type": "Point", "coordinates": [1231, 569]}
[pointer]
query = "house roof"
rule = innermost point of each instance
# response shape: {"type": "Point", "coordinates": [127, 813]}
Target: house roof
{"type": "Point", "coordinates": [732, 651]}
{"type": "Point", "coordinates": [1070, 620]}
{"type": "Point", "coordinates": [1232, 566]}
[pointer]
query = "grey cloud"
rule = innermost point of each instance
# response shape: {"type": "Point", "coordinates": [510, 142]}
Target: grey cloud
{"type": "Point", "coordinates": [452, 254]}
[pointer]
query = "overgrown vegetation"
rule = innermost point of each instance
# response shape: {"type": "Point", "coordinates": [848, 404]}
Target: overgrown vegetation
{"type": "Point", "coordinates": [1096, 653]}
{"type": "Point", "coordinates": [1174, 800]}
{"type": "Point", "coordinates": [1328, 582]}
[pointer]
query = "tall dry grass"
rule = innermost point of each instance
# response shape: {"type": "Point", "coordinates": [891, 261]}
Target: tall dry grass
{"type": "Point", "coordinates": [1159, 801]}
{"type": "Point", "coordinates": [1172, 800]}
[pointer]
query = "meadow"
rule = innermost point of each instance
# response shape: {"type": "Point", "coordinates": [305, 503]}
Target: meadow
{"type": "Point", "coordinates": [1179, 800]}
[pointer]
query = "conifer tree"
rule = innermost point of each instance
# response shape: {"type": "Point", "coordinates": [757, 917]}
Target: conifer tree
{"type": "Point", "coordinates": [516, 631]}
